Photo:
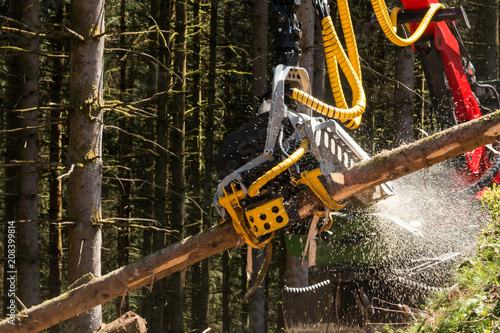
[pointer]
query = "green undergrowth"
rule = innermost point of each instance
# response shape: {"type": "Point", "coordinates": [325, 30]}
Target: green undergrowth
{"type": "Point", "coordinates": [473, 303]}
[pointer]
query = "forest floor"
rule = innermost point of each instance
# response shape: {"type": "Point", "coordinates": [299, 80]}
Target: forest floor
{"type": "Point", "coordinates": [472, 304]}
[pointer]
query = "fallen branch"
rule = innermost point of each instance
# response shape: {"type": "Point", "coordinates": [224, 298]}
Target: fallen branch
{"type": "Point", "coordinates": [382, 168]}
{"type": "Point", "coordinates": [128, 323]}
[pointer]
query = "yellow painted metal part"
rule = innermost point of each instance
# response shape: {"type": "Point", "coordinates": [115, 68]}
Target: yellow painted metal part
{"type": "Point", "coordinates": [310, 178]}
{"type": "Point", "coordinates": [254, 189]}
{"type": "Point", "coordinates": [268, 217]}
{"type": "Point", "coordinates": [231, 202]}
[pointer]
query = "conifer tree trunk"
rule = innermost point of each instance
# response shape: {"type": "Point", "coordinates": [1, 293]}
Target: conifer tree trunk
{"type": "Point", "coordinates": [22, 145]}
{"type": "Point", "coordinates": [124, 162]}
{"type": "Point", "coordinates": [295, 270]}
{"type": "Point", "coordinates": [256, 316]}
{"type": "Point", "coordinates": [318, 79]}
{"type": "Point", "coordinates": [199, 271]}
{"type": "Point", "coordinates": [178, 163]}
{"type": "Point", "coordinates": [243, 288]}
{"type": "Point", "coordinates": [306, 16]}
{"type": "Point", "coordinates": [149, 188]}
{"type": "Point", "coordinates": [160, 192]}
{"type": "Point", "coordinates": [281, 284]}
{"type": "Point", "coordinates": [226, 291]}
{"type": "Point", "coordinates": [85, 152]}
{"type": "Point", "coordinates": [403, 95]}
{"type": "Point", "coordinates": [491, 35]}
{"type": "Point", "coordinates": [208, 150]}
{"type": "Point", "coordinates": [226, 271]}
{"type": "Point", "coordinates": [260, 49]}
{"type": "Point", "coordinates": [55, 184]}
{"type": "Point", "coordinates": [257, 300]}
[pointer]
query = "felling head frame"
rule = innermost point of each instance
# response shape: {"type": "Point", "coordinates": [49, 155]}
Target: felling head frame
{"type": "Point", "coordinates": [261, 174]}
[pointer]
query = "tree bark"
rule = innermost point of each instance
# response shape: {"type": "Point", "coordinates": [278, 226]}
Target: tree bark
{"type": "Point", "coordinates": [260, 44]}
{"type": "Point", "coordinates": [318, 79]}
{"type": "Point", "coordinates": [403, 95]}
{"type": "Point", "coordinates": [382, 168]}
{"type": "Point", "coordinates": [22, 184]}
{"type": "Point", "coordinates": [226, 292]}
{"type": "Point", "coordinates": [260, 51]}
{"type": "Point", "coordinates": [178, 162]}
{"type": "Point", "coordinates": [160, 188]}
{"type": "Point", "coordinates": [85, 152]}
{"type": "Point", "coordinates": [124, 162]}
{"type": "Point", "coordinates": [199, 271]}
{"type": "Point", "coordinates": [491, 35]}
{"type": "Point", "coordinates": [307, 16]}
{"type": "Point", "coordinates": [55, 184]}
{"type": "Point", "coordinates": [257, 300]}
{"type": "Point", "coordinates": [297, 274]}
{"type": "Point", "coordinates": [128, 323]}
{"type": "Point", "coordinates": [226, 265]}
{"type": "Point", "coordinates": [147, 191]}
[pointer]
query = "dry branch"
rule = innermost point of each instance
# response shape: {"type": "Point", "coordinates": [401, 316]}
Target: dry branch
{"type": "Point", "coordinates": [384, 167]}
{"type": "Point", "coordinates": [128, 323]}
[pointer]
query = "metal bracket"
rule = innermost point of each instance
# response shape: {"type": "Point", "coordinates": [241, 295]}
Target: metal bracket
{"type": "Point", "coordinates": [296, 76]}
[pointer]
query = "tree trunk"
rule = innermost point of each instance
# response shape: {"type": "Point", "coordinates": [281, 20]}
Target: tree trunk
{"type": "Point", "coordinates": [257, 300]}
{"type": "Point", "coordinates": [226, 265]}
{"type": "Point", "coordinates": [55, 184]}
{"type": "Point", "coordinates": [387, 166]}
{"type": "Point", "coordinates": [208, 149]}
{"type": "Point", "coordinates": [318, 79]}
{"type": "Point", "coordinates": [128, 323]}
{"type": "Point", "coordinates": [403, 95]}
{"type": "Point", "coordinates": [491, 36]}
{"type": "Point", "coordinates": [296, 274]}
{"type": "Point", "coordinates": [199, 271]}
{"type": "Point", "coordinates": [281, 282]}
{"type": "Point", "coordinates": [307, 16]}
{"type": "Point", "coordinates": [178, 189]}
{"type": "Point", "coordinates": [256, 317]}
{"type": "Point", "coordinates": [226, 291]}
{"type": "Point", "coordinates": [85, 152]}
{"type": "Point", "coordinates": [22, 102]}
{"type": "Point", "coordinates": [149, 188]}
{"type": "Point", "coordinates": [124, 162]}
{"type": "Point", "coordinates": [160, 192]}
{"type": "Point", "coordinates": [243, 289]}
{"type": "Point", "coordinates": [260, 50]}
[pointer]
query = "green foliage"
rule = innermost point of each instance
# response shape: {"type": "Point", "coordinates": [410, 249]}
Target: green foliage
{"type": "Point", "coordinates": [492, 203]}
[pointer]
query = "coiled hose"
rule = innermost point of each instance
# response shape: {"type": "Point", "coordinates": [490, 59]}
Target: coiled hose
{"type": "Point", "coordinates": [389, 24]}
{"type": "Point", "coordinates": [350, 66]}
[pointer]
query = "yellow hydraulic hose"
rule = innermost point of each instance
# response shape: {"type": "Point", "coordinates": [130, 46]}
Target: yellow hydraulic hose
{"type": "Point", "coordinates": [352, 51]}
{"type": "Point", "coordinates": [389, 24]}
{"type": "Point", "coordinates": [350, 40]}
{"type": "Point", "coordinates": [350, 66]}
{"type": "Point", "coordinates": [254, 189]}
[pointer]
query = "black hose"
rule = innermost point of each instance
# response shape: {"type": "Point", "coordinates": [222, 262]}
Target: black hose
{"type": "Point", "coordinates": [490, 87]}
{"type": "Point", "coordinates": [485, 180]}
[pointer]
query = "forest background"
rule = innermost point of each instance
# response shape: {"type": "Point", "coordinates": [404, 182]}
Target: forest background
{"type": "Point", "coordinates": [112, 113]}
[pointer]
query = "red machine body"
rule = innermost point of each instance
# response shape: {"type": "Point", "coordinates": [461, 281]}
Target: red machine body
{"type": "Point", "coordinates": [466, 106]}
